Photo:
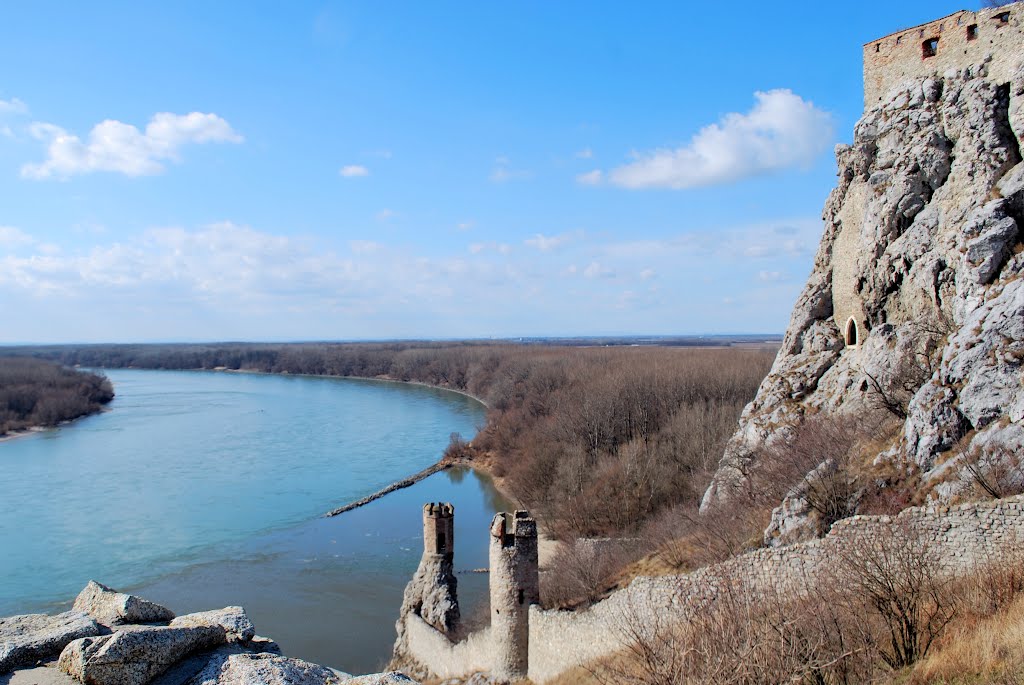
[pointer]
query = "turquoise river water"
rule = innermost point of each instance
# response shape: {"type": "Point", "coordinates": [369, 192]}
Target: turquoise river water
{"type": "Point", "coordinates": [203, 489]}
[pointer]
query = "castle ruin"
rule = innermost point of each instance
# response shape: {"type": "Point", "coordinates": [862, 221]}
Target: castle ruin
{"type": "Point", "coordinates": [515, 586]}
{"type": "Point", "coordinates": [987, 41]}
{"type": "Point", "coordinates": [964, 38]}
{"type": "Point", "coordinates": [427, 644]}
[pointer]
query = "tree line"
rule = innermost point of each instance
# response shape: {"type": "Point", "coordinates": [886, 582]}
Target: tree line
{"type": "Point", "coordinates": [36, 392]}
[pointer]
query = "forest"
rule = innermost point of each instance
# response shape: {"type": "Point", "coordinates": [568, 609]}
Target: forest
{"type": "Point", "coordinates": [36, 392]}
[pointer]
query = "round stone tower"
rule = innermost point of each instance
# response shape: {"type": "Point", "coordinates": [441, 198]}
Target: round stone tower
{"type": "Point", "coordinates": [438, 529]}
{"type": "Point", "coordinates": [515, 585]}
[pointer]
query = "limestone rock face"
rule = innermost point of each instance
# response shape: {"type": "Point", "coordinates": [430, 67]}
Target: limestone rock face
{"type": "Point", "coordinates": [113, 608]}
{"type": "Point", "coordinates": [135, 657]}
{"type": "Point", "coordinates": [233, 620]}
{"type": "Point", "coordinates": [922, 259]}
{"type": "Point", "coordinates": [29, 638]}
{"type": "Point", "coordinates": [431, 595]}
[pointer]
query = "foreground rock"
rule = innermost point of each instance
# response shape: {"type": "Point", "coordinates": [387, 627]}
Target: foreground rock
{"type": "Point", "coordinates": [113, 608]}
{"type": "Point", "coordinates": [116, 644]}
{"type": "Point", "coordinates": [236, 624]}
{"type": "Point", "coordinates": [134, 657]}
{"type": "Point", "coordinates": [266, 669]}
{"type": "Point", "coordinates": [27, 639]}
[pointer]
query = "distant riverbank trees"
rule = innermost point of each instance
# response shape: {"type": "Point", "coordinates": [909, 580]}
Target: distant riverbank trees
{"type": "Point", "coordinates": [595, 440]}
{"type": "Point", "coordinates": [35, 392]}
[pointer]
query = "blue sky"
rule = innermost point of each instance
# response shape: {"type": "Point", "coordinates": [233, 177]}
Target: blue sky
{"type": "Point", "coordinates": [354, 170]}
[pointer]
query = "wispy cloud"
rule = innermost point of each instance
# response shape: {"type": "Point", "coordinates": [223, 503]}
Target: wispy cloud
{"type": "Point", "coordinates": [14, 237]}
{"type": "Point", "coordinates": [122, 148]}
{"type": "Point", "coordinates": [782, 130]}
{"type": "Point", "coordinates": [585, 153]}
{"type": "Point", "coordinates": [546, 243]}
{"type": "Point", "coordinates": [354, 171]}
{"type": "Point", "coordinates": [13, 106]}
{"type": "Point", "coordinates": [503, 171]}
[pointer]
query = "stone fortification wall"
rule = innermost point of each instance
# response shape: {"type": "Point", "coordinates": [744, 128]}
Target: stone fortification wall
{"type": "Point", "coordinates": [963, 537]}
{"type": "Point", "coordinates": [962, 39]}
{"type": "Point", "coordinates": [443, 658]}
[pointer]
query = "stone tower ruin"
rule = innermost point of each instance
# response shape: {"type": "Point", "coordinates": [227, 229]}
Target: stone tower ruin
{"type": "Point", "coordinates": [439, 529]}
{"type": "Point", "coordinates": [515, 585]}
{"type": "Point", "coordinates": [431, 594]}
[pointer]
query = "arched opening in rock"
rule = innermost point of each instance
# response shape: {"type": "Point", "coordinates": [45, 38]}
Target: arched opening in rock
{"type": "Point", "coordinates": [851, 332]}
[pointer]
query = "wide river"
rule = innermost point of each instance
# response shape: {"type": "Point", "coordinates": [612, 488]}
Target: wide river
{"type": "Point", "coordinates": [199, 490]}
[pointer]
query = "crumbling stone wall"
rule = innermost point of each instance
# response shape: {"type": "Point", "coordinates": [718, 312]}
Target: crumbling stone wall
{"type": "Point", "coordinates": [962, 39]}
{"type": "Point", "coordinates": [964, 537]}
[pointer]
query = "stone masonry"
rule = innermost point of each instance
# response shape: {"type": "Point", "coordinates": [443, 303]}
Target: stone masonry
{"type": "Point", "coordinates": [962, 38]}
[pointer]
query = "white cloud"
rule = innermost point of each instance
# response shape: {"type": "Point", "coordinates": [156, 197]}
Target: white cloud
{"type": "Point", "coordinates": [648, 274]}
{"type": "Point", "coordinates": [122, 148]}
{"type": "Point", "coordinates": [14, 237]}
{"type": "Point", "coordinates": [354, 171]}
{"type": "Point", "coordinates": [363, 247]}
{"type": "Point", "coordinates": [465, 225]}
{"type": "Point", "coordinates": [547, 243]}
{"type": "Point", "coordinates": [503, 172]}
{"type": "Point", "coordinates": [13, 106]}
{"type": "Point", "coordinates": [598, 270]}
{"type": "Point", "coordinates": [585, 153]}
{"type": "Point", "coordinates": [770, 276]}
{"type": "Point", "coordinates": [591, 178]}
{"type": "Point", "coordinates": [782, 130]}
{"type": "Point", "coordinates": [500, 248]}
{"type": "Point", "coordinates": [385, 214]}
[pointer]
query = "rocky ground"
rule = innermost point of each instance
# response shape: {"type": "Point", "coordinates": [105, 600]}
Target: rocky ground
{"type": "Point", "coordinates": [112, 638]}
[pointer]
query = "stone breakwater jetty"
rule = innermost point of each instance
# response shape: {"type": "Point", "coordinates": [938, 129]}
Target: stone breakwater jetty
{"type": "Point", "coordinates": [113, 638]}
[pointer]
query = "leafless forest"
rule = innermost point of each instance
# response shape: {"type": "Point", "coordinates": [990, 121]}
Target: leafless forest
{"type": "Point", "coordinates": [34, 392]}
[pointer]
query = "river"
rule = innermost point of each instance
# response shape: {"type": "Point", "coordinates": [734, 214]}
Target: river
{"type": "Point", "coordinates": [204, 489]}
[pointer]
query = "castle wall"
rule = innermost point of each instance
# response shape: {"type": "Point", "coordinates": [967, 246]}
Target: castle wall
{"type": "Point", "coordinates": [964, 537]}
{"type": "Point", "coordinates": [845, 301]}
{"type": "Point", "coordinates": [444, 658]}
{"type": "Point", "coordinates": [901, 56]}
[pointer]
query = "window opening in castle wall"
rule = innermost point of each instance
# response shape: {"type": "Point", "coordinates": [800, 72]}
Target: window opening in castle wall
{"type": "Point", "coordinates": [929, 47]}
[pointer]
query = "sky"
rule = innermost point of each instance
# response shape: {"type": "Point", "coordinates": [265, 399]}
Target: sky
{"type": "Point", "coordinates": [199, 171]}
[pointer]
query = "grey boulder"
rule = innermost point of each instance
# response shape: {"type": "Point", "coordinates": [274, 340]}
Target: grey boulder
{"type": "Point", "coordinates": [26, 639]}
{"type": "Point", "coordinates": [134, 657]}
{"type": "Point", "coordinates": [265, 669]}
{"type": "Point", "coordinates": [233, 620]}
{"type": "Point", "coordinates": [113, 608]}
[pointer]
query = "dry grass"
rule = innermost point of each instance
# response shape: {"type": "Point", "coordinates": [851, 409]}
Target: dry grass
{"type": "Point", "coordinates": [987, 650]}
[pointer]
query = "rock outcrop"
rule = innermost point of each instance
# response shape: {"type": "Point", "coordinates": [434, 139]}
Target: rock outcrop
{"type": "Point", "coordinates": [430, 595]}
{"type": "Point", "coordinates": [135, 657]}
{"type": "Point", "coordinates": [120, 645]}
{"type": "Point", "coordinates": [29, 638]}
{"type": "Point", "coordinates": [112, 608]}
{"type": "Point", "coordinates": [915, 305]}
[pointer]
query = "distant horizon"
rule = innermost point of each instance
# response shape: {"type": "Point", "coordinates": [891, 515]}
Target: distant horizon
{"type": "Point", "coordinates": [344, 341]}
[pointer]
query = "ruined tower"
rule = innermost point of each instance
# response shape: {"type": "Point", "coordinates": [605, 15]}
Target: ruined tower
{"type": "Point", "coordinates": [431, 594]}
{"type": "Point", "coordinates": [515, 585]}
{"type": "Point", "coordinates": [439, 529]}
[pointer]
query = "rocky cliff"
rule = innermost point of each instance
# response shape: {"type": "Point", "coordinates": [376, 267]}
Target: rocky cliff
{"type": "Point", "coordinates": [915, 305]}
